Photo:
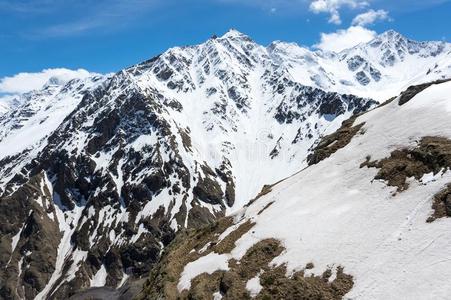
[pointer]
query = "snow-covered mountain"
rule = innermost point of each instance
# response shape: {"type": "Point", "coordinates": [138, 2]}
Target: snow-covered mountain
{"type": "Point", "coordinates": [369, 218]}
{"type": "Point", "coordinates": [104, 171]}
{"type": "Point", "coordinates": [379, 69]}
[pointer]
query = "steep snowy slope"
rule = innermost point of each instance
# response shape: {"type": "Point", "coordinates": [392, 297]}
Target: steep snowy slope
{"type": "Point", "coordinates": [8, 103]}
{"type": "Point", "coordinates": [369, 221]}
{"type": "Point", "coordinates": [105, 170]}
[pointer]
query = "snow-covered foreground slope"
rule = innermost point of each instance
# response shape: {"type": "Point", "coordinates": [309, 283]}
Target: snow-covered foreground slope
{"type": "Point", "coordinates": [334, 213]}
{"type": "Point", "coordinates": [106, 169]}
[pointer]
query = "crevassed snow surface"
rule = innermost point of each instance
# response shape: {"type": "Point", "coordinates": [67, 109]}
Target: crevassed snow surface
{"type": "Point", "coordinates": [333, 213]}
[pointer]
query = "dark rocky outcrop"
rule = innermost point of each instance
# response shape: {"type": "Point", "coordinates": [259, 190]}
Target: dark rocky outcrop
{"type": "Point", "coordinates": [413, 90]}
{"type": "Point", "coordinates": [311, 101]}
{"type": "Point", "coordinates": [108, 199]}
{"type": "Point", "coordinates": [29, 225]}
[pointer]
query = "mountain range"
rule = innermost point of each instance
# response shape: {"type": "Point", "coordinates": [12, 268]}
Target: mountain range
{"type": "Point", "coordinates": [106, 173]}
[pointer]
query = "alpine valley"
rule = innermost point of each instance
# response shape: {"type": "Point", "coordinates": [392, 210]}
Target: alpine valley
{"type": "Point", "coordinates": [233, 170]}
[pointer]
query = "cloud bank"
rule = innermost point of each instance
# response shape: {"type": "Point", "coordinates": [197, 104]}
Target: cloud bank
{"type": "Point", "coordinates": [26, 82]}
{"type": "Point", "coordinates": [345, 38]}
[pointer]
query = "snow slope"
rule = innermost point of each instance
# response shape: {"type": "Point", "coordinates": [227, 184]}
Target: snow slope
{"type": "Point", "coordinates": [335, 213]}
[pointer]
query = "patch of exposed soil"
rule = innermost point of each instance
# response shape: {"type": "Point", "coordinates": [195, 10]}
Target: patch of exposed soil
{"type": "Point", "coordinates": [441, 204]}
{"type": "Point", "coordinates": [431, 155]}
{"type": "Point", "coordinates": [276, 285]}
{"type": "Point", "coordinates": [335, 141]}
{"type": "Point", "coordinates": [266, 189]}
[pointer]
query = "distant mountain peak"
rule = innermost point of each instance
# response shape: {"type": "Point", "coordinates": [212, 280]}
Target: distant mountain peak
{"type": "Point", "coordinates": [391, 34]}
{"type": "Point", "coordinates": [235, 34]}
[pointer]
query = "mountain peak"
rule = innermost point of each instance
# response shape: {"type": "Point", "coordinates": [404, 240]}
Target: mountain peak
{"type": "Point", "coordinates": [391, 35]}
{"type": "Point", "coordinates": [235, 34]}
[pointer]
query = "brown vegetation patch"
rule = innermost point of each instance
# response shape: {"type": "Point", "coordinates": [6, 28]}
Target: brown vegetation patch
{"type": "Point", "coordinates": [433, 154]}
{"type": "Point", "coordinates": [335, 141]}
{"type": "Point", "coordinates": [228, 243]}
{"type": "Point", "coordinates": [275, 284]}
{"type": "Point", "coordinates": [266, 189]}
{"type": "Point", "coordinates": [386, 102]}
{"type": "Point", "coordinates": [298, 286]}
{"type": "Point", "coordinates": [163, 279]}
{"type": "Point", "coordinates": [441, 204]}
{"type": "Point", "coordinates": [231, 284]}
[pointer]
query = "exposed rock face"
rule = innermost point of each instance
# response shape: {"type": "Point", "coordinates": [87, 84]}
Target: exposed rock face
{"type": "Point", "coordinates": [29, 239]}
{"type": "Point", "coordinates": [408, 94]}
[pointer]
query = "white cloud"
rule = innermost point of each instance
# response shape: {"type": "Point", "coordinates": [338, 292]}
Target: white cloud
{"type": "Point", "coordinates": [333, 7]}
{"type": "Point", "coordinates": [25, 82]}
{"type": "Point", "coordinates": [345, 38]}
{"type": "Point", "coordinates": [370, 17]}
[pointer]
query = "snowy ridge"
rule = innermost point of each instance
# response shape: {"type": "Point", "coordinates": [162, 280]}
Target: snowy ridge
{"type": "Point", "coordinates": [379, 69]}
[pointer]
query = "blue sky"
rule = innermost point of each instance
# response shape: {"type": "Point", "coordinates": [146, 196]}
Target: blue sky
{"type": "Point", "coordinates": [107, 35]}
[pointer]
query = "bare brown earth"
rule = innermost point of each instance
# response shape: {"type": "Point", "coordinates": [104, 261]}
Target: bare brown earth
{"type": "Point", "coordinates": [441, 204]}
{"type": "Point", "coordinates": [162, 282]}
{"type": "Point", "coordinates": [335, 141]}
{"type": "Point", "coordinates": [432, 154]}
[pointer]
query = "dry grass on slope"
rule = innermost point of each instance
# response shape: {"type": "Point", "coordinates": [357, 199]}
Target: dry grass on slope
{"type": "Point", "coordinates": [432, 155]}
